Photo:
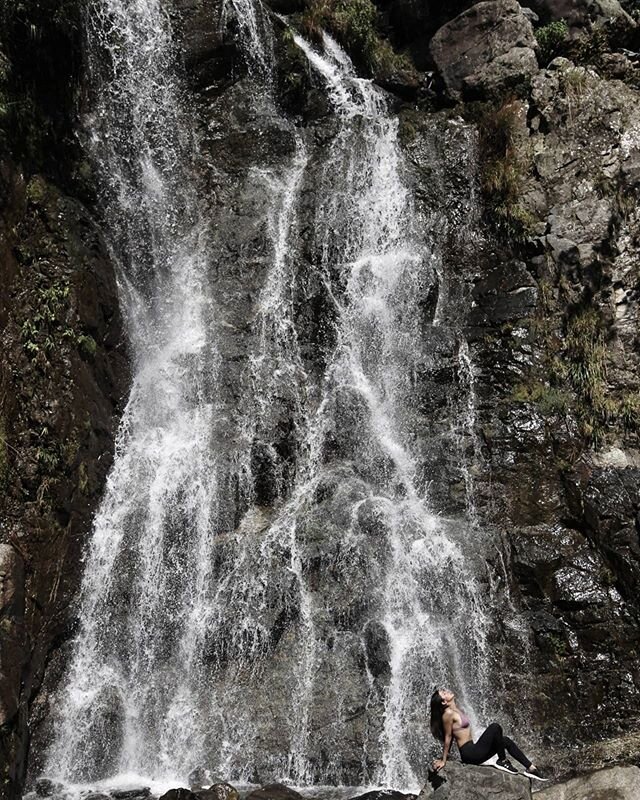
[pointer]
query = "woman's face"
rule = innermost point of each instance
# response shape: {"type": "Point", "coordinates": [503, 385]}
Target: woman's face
{"type": "Point", "coordinates": [446, 695]}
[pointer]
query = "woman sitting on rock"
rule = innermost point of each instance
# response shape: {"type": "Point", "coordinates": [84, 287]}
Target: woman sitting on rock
{"type": "Point", "coordinates": [448, 721]}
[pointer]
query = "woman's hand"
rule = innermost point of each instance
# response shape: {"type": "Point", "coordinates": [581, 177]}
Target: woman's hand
{"type": "Point", "coordinates": [438, 764]}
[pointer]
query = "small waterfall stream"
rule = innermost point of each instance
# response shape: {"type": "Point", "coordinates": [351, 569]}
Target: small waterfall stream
{"type": "Point", "coordinates": [302, 642]}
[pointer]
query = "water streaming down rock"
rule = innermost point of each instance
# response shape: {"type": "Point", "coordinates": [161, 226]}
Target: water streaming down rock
{"type": "Point", "coordinates": [149, 558]}
{"type": "Point", "coordinates": [301, 642]}
{"type": "Point", "coordinates": [369, 246]}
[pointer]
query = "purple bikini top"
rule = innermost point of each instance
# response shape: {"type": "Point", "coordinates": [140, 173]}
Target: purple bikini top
{"type": "Point", "coordinates": [464, 721]}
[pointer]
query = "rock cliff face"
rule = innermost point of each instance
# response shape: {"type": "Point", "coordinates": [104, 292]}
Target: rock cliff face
{"type": "Point", "coordinates": [523, 156]}
{"type": "Point", "coordinates": [63, 372]}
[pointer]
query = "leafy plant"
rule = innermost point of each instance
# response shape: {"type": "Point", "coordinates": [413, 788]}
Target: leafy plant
{"type": "Point", "coordinates": [550, 39]}
{"type": "Point", "coordinates": [39, 333]}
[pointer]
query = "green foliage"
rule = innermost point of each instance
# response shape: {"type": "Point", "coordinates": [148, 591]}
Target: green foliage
{"type": "Point", "coordinates": [629, 412]}
{"type": "Point", "coordinates": [83, 479]}
{"type": "Point", "coordinates": [355, 24]}
{"type": "Point", "coordinates": [549, 400]}
{"type": "Point", "coordinates": [36, 190]}
{"type": "Point", "coordinates": [45, 328]}
{"type": "Point", "coordinates": [505, 164]}
{"type": "Point", "coordinates": [87, 345]}
{"type": "Point", "coordinates": [575, 370]}
{"type": "Point", "coordinates": [557, 644]}
{"type": "Point", "coordinates": [550, 39]}
{"type": "Point", "coordinates": [47, 452]}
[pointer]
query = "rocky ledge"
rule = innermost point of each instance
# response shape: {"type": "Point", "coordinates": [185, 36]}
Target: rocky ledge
{"type": "Point", "coordinates": [456, 782]}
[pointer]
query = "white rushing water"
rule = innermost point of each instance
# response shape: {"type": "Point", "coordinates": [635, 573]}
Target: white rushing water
{"type": "Point", "coordinates": [247, 645]}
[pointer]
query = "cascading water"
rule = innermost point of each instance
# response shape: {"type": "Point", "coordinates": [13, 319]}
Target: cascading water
{"type": "Point", "coordinates": [149, 558]}
{"type": "Point", "coordinates": [302, 641]}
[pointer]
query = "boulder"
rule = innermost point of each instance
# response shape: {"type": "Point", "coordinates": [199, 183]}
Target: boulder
{"type": "Point", "coordinates": [465, 782]}
{"type": "Point", "coordinates": [384, 794]}
{"type": "Point", "coordinates": [485, 50]}
{"type": "Point", "coordinates": [219, 791]}
{"type": "Point", "coordinates": [615, 783]}
{"type": "Point", "coordinates": [274, 791]}
{"type": "Point", "coordinates": [136, 792]}
{"type": "Point", "coordinates": [581, 13]}
{"type": "Point", "coordinates": [179, 794]}
{"type": "Point", "coordinates": [45, 787]}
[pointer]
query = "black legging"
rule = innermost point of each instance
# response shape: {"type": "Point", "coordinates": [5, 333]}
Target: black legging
{"type": "Point", "coordinates": [492, 743]}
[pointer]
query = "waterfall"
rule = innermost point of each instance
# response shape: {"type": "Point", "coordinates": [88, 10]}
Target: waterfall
{"type": "Point", "coordinates": [149, 560]}
{"type": "Point", "coordinates": [429, 603]}
{"type": "Point", "coordinates": [294, 630]}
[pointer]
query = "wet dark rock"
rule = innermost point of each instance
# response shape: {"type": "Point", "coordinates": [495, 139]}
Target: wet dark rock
{"type": "Point", "coordinates": [485, 50]}
{"type": "Point", "coordinates": [378, 657]}
{"type": "Point", "coordinates": [384, 794]}
{"type": "Point", "coordinates": [266, 470]}
{"type": "Point", "coordinates": [177, 794]}
{"type": "Point", "coordinates": [209, 57]}
{"type": "Point", "coordinates": [139, 791]}
{"type": "Point", "coordinates": [61, 398]}
{"type": "Point", "coordinates": [45, 787]}
{"type": "Point", "coordinates": [274, 791]}
{"type": "Point", "coordinates": [467, 782]}
{"type": "Point", "coordinates": [286, 6]}
{"type": "Point", "coordinates": [570, 525]}
{"type": "Point", "coordinates": [219, 791]}
{"type": "Point", "coordinates": [507, 293]}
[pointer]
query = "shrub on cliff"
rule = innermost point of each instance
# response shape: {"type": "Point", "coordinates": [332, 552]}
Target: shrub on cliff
{"type": "Point", "coordinates": [550, 39]}
{"type": "Point", "coordinates": [355, 25]}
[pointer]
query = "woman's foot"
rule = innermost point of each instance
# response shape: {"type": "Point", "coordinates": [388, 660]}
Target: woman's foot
{"type": "Point", "coordinates": [534, 772]}
{"type": "Point", "coordinates": [506, 766]}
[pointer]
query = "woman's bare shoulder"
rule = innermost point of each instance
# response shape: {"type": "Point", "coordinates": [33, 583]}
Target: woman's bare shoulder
{"type": "Point", "coordinates": [448, 714]}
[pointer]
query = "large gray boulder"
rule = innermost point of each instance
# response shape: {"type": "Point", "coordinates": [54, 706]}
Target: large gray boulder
{"type": "Point", "coordinates": [581, 13]}
{"type": "Point", "coordinates": [616, 783]}
{"type": "Point", "coordinates": [466, 782]}
{"type": "Point", "coordinates": [485, 50]}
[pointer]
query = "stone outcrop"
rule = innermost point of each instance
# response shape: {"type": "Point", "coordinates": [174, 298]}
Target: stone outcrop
{"type": "Point", "coordinates": [274, 791]}
{"type": "Point", "coordinates": [465, 782]}
{"type": "Point", "coordinates": [63, 368]}
{"type": "Point", "coordinates": [616, 783]}
{"type": "Point", "coordinates": [486, 50]}
{"type": "Point", "coordinates": [62, 380]}
{"type": "Point", "coordinates": [580, 13]}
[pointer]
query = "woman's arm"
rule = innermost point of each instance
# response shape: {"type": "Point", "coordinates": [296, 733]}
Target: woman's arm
{"type": "Point", "coordinates": [447, 724]}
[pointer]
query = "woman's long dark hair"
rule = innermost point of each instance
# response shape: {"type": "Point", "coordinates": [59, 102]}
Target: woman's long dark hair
{"type": "Point", "coordinates": [437, 710]}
